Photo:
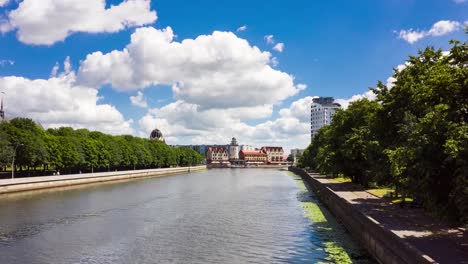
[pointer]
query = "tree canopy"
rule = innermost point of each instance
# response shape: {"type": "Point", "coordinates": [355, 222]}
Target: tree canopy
{"type": "Point", "coordinates": [413, 137]}
{"type": "Point", "coordinates": [71, 151]}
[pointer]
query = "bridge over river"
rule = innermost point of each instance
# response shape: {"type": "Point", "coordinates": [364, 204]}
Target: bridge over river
{"type": "Point", "coordinates": [214, 216]}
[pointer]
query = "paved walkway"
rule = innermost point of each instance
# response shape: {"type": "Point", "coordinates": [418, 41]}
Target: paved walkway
{"type": "Point", "coordinates": [440, 241]}
{"type": "Point", "coordinates": [17, 181]}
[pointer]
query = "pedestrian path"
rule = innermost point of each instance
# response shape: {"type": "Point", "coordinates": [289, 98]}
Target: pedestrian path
{"type": "Point", "coordinates": [438, 240]}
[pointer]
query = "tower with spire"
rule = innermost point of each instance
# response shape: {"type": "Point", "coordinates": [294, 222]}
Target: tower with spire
{"type": "Point", "coordinates": [234, 150]}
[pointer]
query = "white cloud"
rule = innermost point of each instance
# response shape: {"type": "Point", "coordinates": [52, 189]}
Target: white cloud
{"type": "Point", "coordinates": [213, 71]}
{"type": "Point", "coordinates": [269, 39]}
{"type": "Point", "coordinates": [58, 101]}
{"type": "Point", "coordinates": [279, 47]}
{"type": "Point", "coordinates": [184, 123]}
{"type": "Point", "coordinates": [391, 80]}
{"type": "Point", "coordinates": [7, 62]}
{"type": "Point", "coordinates": [345, 102]}
{"type": "Point", "coordinates": [459, 1]}
{"type": "Point", "coordinates": [411, 36]}
{"type": "Point", "coordinates": [139, 100]}
{"type": "Point", "coordinates": [4, 2]}
{"type": "Point", "coordinates": [440, 28]}
{"type": "Point", "coordinates": [54, 71]}
{"type": "Point", "coordinates": [67, 67]}
{"type": "Point", "coordinates": [299, 109]}
{"type": "Point", "coordinates": [242, 28]}
{"type": "Point", "coordinates": [46, 22]}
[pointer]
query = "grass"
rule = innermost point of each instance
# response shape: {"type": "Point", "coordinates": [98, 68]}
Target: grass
{"type": "Point", "coordinates": [384, 193]}
{"type": "Point", "coordinates": [339, 180]}
{"type": "Point", "coordinates": [381, 192]}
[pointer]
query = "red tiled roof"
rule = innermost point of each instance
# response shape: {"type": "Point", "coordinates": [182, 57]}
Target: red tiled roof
{"type": "Point", "coordinates": [272, 148]}
{"type": "Point", "coordinates": [216, 149]}
{"type": "Point", "coordinates": [253, 152]}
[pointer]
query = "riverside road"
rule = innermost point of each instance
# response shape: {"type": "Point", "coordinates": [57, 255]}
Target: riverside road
{"type": "Point", "coordinates": [214, 216]}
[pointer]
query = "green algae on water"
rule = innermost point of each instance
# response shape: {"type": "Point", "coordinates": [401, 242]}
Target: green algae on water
{"type": "Point", "coordinates": [337, 244]}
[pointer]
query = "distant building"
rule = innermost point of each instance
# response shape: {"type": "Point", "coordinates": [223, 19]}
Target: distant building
{"type": "Point", "coordinates": [234, 150]}
{"type": "Point", "coordinates": [274, 154]}
{"type": "Point", "coordinates": [246, 147]}
{"type": "Point", "coordinates": [321, 113]}
{"type": "Point", "coordinates": [253, 156]}
{"type": "Point", "coordinates": [217, 155]}
{"type": "Point", "coordinates": [157, 135]}
{"type": "Point", "coordinates": [295, 153]}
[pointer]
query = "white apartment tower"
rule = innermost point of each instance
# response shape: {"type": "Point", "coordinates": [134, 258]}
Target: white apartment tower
{"type": "Point", "coordinates": [321, 113]}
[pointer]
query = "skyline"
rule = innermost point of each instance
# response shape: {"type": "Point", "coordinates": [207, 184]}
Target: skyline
{"type": "Point", "coordinates": [141, 65]}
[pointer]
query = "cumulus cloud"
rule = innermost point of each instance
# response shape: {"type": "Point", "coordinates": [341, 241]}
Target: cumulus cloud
{"type": "Point", "coordinates": [242, 28]}
{"type": "Point", "coordinates": [4, 2]}
{"type": "Point", "coordinates": [279, 47]}
{"type": "Point", "coordinates": [345, 102]}
{"type": "Point", "coordinates": [139, 100]}
{"type": "Point", "coordinates": [440, 28]}
{"type": "Point", "coordinates": [46, 22]}
{"type": "Point", "coordinates": [213, 71]}
{"type": "Point", "coordinates": [7, 62]}
{"type": "Point", "coordinates": [185, 123]}
{"type": "Point", "coordinates": [58, 101]}
{"type": "Point", "coordinates": [269, 39]}
{"type": "Point", "coordinates": [459, 1]}
{"type": "Point", "coordinates": [54, 71]}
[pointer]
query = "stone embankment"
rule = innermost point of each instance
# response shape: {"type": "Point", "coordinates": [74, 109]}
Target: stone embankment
{"type": "Point", "coordinates": [36, 183]}
{"type": "Point", "coordinates": [389, 233]}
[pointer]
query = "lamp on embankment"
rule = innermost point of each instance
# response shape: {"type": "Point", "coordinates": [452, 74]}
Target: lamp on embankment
{"type": "Point", "coordinates": [13, 161]}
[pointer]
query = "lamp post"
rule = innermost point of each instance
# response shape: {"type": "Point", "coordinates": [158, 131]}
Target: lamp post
{"type": "Point", "coordinates": [13, 161]}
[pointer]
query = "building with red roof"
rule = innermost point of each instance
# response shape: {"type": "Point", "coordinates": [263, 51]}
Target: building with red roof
{"type": "Point", "coordinates": [253, 156]}
{"type": "Point", "coordinates": [274, 154]}
{"type": "Point", "coordinates": [217, 155]}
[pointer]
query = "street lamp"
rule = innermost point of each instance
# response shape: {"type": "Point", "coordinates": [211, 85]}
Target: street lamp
{"type": "Point", "coordinates": [13, 161]}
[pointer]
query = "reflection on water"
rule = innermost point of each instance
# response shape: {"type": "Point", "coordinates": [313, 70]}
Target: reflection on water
{"type": "Point", "coordinates": [215, 216]}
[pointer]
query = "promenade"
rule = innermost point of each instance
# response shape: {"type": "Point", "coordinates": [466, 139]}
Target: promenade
{"type": "Point", "coordinates": [34, 183]}
{"type": "Point", "coordinates": [435, 240]}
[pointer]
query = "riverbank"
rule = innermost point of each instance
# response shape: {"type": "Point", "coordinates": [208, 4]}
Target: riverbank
{"type": "Point", "coordinates": [36, 183]}
{"type": "Point", "coordinates": [389, 233]}
{"type": "Point", "coordinates": [259, 166]}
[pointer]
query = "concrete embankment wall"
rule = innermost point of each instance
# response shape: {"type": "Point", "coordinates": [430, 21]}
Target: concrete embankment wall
{"type": "Point", "coordinates": [36, 183]}
{"type": "Point", "coordinates": [381, 243]}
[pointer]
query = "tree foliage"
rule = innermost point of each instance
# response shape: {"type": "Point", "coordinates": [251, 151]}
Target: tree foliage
{"type": "Point", "coordinates": [71, 151]}
{"type": "Point", "coordinates": [413, 137]}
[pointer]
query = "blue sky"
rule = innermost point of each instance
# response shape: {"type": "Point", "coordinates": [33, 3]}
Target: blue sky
{"type": "Point", "coordinates": [336, 48]}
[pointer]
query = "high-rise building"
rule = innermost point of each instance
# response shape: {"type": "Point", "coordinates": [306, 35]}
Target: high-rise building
{"type": "Point", "coordinates": [321, 113]}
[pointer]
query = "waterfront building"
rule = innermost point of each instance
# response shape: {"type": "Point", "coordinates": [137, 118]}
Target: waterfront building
{"type": "Point", "coordinates": [157, 135]}
{"type": "Point", "coordinates": [253, 156]}
{"type": "Point", "coordinates": [234, 150]}
{"type": "Point", "coordinates": [217, 155]}
{"type": "Point", "coordinates": [321, 113]}
{"type": "Point", "coordinates": [274, 154]}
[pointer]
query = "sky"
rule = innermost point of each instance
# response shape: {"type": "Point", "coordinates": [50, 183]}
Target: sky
{"type": "Point", "coordinates": [206, 71]}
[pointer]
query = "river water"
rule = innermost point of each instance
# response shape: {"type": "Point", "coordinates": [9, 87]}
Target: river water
{"type": "Point", "coordinates": [214, 216]}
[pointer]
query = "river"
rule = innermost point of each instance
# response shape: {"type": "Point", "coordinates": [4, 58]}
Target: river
{"type": "Point", "coordinates": [213, 216]}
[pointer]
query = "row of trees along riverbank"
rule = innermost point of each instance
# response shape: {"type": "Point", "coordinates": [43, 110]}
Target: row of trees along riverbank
{"type": "Point", "coordinates": [413, 137]}
{"type": "Point", "coordinates": [40, 151]}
